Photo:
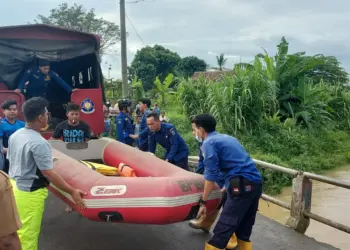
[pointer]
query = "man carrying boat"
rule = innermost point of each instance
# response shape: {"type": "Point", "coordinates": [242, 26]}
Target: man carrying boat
{"type": "Point", "coordinates": [166, 135]}
{"type": "Point", "coordinates": [31, 170]}
{"type": "Point", "coordinates": [124, 123]}
{"type": "Point", "coordinates": [38, 79]}
{"type": "Point", "coordinates": [205, 222]}
{"type": "Point", "coordinates": [225, 157]}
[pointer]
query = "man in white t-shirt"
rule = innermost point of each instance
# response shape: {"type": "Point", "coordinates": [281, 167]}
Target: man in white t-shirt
{"type": "Point", "coordinates": [31, 171]}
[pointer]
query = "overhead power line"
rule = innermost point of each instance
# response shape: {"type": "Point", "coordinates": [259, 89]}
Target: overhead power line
{"type": "Point", "coordinates": [135, 29]}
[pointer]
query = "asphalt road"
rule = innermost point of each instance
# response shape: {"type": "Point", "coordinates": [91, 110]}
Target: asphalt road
{"type": "Point", "coordinates": [62, 231]}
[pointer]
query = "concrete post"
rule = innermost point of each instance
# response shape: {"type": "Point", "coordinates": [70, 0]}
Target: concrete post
{"type": "Point", "coordinates": [301, 201]}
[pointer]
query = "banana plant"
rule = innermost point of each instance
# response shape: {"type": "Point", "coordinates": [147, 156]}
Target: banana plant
{"type": "Point", "coordinates": [164, 88]}
{"type": "Point", "coordinates": [136, 90]}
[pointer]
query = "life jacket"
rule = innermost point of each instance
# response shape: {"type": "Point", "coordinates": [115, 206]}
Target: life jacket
{"type": "Point", "coordinates": [126, 171]}
{"type": "Point", "coordinates": [101, 168]}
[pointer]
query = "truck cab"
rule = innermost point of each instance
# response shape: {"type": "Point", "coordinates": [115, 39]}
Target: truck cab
{"type": "Point", "coordinates": [73, 55]}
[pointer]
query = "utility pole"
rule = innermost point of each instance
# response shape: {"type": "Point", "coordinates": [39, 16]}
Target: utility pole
{"type": "Point", "coordinates": [123, 50]}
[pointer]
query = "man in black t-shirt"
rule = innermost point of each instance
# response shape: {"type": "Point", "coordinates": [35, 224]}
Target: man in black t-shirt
{"type": "Point", "coordinates": [72, 130]}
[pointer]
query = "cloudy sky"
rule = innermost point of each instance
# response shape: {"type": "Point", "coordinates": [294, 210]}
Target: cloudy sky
{"type": "Point", "coordinates": [206, 28]}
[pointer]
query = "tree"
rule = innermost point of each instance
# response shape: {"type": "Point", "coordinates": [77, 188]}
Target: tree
{"type": "Point", "coordinates": [188, 65]}
{"type": "Point", "coordinates": [76, 17]}
{"type": "Point", "coordinates": [221, 60]}
{"type": "Point", "coordinates": [150, 62]}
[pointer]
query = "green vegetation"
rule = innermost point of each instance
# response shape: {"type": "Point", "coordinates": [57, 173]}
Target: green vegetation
{"type": "Point", "coordinates": [157, 61]}
{"type": "Point", "coordinates": [291, 109]}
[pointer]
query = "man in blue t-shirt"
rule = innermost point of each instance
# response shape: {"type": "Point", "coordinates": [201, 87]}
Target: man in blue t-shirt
{"type": "Point", "coordinates": [8, 125]}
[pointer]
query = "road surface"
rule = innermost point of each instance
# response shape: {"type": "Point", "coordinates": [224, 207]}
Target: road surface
{"type": "Point", "coordinates": [62, 231]}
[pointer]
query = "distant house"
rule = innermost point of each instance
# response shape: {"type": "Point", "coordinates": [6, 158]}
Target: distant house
{"type": "Point", "coordinates": [211, 75]}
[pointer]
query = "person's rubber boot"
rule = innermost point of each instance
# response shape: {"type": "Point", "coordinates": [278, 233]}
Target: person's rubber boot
{"type": "Point", "coordinates": [210, 247]}
{"type": "Point", "coordinates": [232, 244]}
{"type": "Point", "coordinates": [244, 245]}
{"type": "Point", "coordinates": [204, 223]}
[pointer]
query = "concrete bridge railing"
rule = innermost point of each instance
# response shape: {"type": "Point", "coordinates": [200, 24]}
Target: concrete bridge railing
{"type": "Point", "coordinates": [300, 205]}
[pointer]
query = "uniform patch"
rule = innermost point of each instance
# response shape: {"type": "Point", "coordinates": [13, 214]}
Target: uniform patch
{"type": "Point", "coordinates": [172, 131]}
{"type": "Point", "coordinates": [47, 78]}
{"type": "Point", "coordinates": [87, 106]}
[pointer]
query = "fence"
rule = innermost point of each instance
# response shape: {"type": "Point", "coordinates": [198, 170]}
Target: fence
{"type": "Point", "coordinates": [300, 206]}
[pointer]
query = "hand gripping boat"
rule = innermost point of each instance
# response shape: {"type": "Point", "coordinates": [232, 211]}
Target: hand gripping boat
{"type": "Point", "coordinates": [160, 194]}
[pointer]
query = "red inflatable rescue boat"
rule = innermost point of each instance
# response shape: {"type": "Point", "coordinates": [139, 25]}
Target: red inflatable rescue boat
{"type": "Point", "coordinates": [161, 193]}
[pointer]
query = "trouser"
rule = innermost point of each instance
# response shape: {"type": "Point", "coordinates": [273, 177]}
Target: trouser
{"type": "Point", "coordinates": [182, 163]}
{"type": "Point", "coordinates": [31, 208]}
{"type": "Point", "coordinates": [238, 215]}
{"type": "Point", "coordinates": [144, 147]}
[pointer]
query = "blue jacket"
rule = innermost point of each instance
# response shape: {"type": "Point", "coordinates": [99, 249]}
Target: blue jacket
{"type": "Point", "coordinates": [124, 128]}
{"type": "Point", "coordinates": [38, 82]}
{"type": "Point", "coordinates": [170, 140]}
{"type": "Point", "coordinates": [7, 129]}
{"type": "Point", "coordinates": [225, 157]}
{"type": "Point", "coordinates": [144, 131]}
{"type": "Point", "coordinates": [200, 168]}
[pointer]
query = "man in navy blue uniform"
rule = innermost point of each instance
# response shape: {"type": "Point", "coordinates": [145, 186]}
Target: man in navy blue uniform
{"type": "Point", "coordinates": [9, 125]}
{"type": "Point", "coordinates": [225, 157]}
{"type": "Point", "coordinates": [124, 123]}
{"type": "Point", "coordinates": [142, 137]}
{"type": "Point", "coordinates": [37, 80]}
{"type": "Point", "coordinates": [166, 135]}
{"type": "Point", "coordinates": [205, 222]}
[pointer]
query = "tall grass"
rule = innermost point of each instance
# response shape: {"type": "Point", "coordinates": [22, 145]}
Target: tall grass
{"type": "Point", "coordinates": [305, 127]}
{"type": "Point", "coordinates": [278, 107]}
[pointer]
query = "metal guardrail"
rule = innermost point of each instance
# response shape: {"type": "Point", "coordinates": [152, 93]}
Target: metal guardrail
{"type": "Point", "coordinates": [300, 205]}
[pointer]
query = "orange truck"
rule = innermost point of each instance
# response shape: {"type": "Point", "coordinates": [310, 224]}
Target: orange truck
{"type": "Point", "coordinates": [73, 55]}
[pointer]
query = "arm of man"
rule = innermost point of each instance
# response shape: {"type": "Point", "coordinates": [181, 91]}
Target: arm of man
{"type": "Point", "coordinates": [174, 143]}
{"type": "Point", "coordinates": [42, 155]}
{"type": "Point", "coordinates": [152, 144]}
{"type": "Point", "coordinates": [61, 82]}
{"type": "Point", "coordinates": [128, 127]}
{"type": "Point", "coordinates": [87, 132]}
{"type": "Point", "coordinates": [211, 164]}
{"type": "Point", "coordinates": [144, 133]}
{"type": "Point", "coordinates": [120, 128]}
{"type": "Point", "coordinates": [24, 79]}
